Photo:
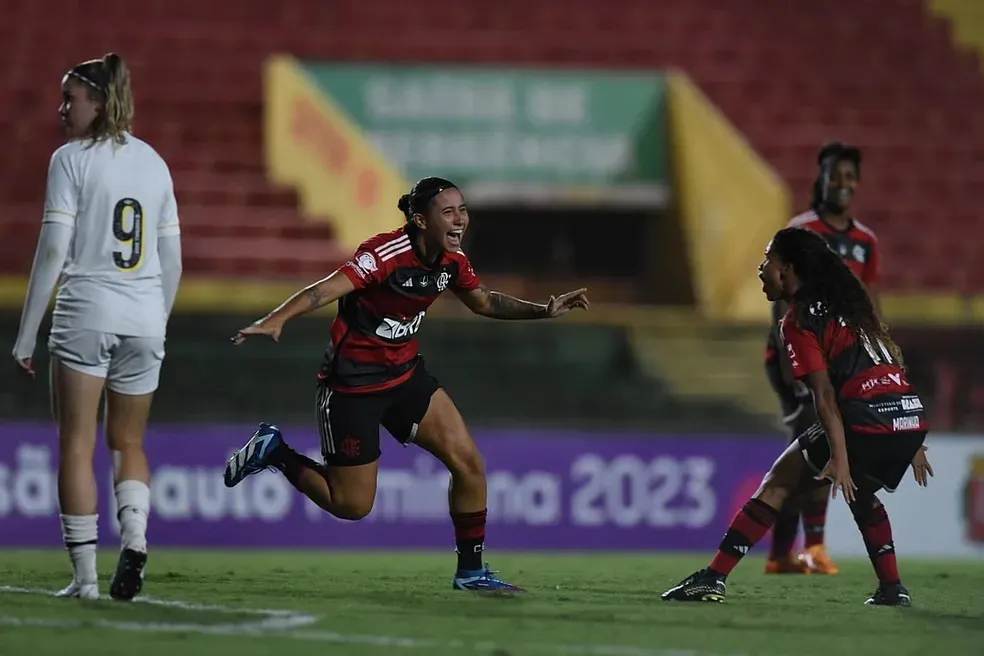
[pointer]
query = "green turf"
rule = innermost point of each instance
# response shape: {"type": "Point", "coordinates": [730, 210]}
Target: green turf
{"type": "Point", "coordinates": [393, 603]}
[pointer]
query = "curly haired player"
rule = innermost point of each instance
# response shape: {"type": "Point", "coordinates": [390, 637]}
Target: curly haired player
{"type": "Point", "coordinates": [830, 216]}
{"type": "Point", "coordinates": [871, 426]}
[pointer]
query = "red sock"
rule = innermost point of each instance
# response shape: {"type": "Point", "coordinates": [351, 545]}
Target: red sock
{"type": "Point", "coordinates": [876, 530]}
{"type": "Point", "coordinates": [749, 526]}
{"type": "Point", "coordinates": [815, 521]}
{"type": "Point", "coordinates": [469, 538]}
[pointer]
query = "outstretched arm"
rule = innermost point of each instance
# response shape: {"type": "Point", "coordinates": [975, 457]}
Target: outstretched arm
{"type": "Point", "coordinates": [312, 297]}
{"type": "Point", "coordinates": [497, 305]}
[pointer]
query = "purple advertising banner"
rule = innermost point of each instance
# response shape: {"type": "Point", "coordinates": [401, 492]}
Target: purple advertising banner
{"type": "Point", "coordinates": [547, 490]}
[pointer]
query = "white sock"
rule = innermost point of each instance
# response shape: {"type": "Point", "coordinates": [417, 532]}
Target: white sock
{"type": "Point", "coordinates": [132, 509]}
{"type": "Point", "coordinates": [80, 533]}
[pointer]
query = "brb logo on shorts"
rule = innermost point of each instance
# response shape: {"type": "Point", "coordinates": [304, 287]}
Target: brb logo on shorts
{"type": "Point", "coordinates": [396, 330]}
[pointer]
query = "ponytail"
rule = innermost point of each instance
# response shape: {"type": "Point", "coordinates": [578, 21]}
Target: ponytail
{"type": "Point", "coordinates": [118, 112]}
{"type": "Point", "coordinates": [404, 206]}
{"type": "Point", "coordinates": [108, 80]}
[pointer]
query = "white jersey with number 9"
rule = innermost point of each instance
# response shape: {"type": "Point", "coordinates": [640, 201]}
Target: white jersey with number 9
{"type": "Point", "coordinates": [120, 200]}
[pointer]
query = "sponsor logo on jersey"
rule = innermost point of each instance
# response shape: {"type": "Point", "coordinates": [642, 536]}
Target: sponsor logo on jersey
{"type": "Point", "coordinates": [397, 330]}
{"type": "Point", "coordinates": [906, 423]}
{"type": "Point", "coordinates": [911, 403]}
{"type": "Point", "coordinates": [883, 381]}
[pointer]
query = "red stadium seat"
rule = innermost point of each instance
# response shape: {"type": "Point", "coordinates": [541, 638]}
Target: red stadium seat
{"type": "Point", "coordinates": [894, 84]}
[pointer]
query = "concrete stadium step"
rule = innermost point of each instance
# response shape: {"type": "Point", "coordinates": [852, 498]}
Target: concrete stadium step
{"type": "Point", "coordinates": [708, 361]}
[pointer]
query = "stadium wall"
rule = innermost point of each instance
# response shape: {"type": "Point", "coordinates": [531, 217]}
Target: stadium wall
{"type": "Point", "coordinates": [557, 374]}
{"type": "Point", "coordinates": [548, 490]}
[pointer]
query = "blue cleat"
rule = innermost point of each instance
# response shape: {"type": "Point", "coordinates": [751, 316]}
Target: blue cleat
{"type": "Point", "coordinates": [255, 456]}
{"type": "Point", "coordinates": [482, 580]}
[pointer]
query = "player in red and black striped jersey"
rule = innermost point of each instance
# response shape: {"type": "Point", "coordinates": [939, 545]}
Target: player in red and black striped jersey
{"type": "Point", "coordinates": [831, 217]}
{"type": "Point", "coordinates": [872, 425]}
{"type": "Point", "coordinates": [373, 374]}
{"type": "Point", "coordinates": [373, 339]}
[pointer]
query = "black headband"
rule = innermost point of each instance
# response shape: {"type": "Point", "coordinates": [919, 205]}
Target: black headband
{"type": "Point", "coordinates": [419, 200]}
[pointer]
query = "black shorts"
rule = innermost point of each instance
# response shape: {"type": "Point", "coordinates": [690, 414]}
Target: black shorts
{"type": "Point", "coordinates": [349, 423]}
{"type": "Point", "coordinates": [876, 460]}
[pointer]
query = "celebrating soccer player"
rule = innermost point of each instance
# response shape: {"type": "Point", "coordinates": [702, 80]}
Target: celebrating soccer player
{"type": "Point", "coordinates": [110, 230]}
{"type": "Point", "coordinates": [373, 374]}
{"type": "Point", "coordinates": [831, 217]}
{"type": "Point", "coordinates": [871, 424]}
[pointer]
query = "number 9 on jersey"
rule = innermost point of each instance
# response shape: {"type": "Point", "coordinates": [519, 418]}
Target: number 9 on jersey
{"type": "Point", "coordinates": [128, 229]}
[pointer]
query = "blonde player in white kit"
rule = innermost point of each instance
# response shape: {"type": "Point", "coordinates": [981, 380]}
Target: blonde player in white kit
{"type": "Point", "coordinates": [110, 233]}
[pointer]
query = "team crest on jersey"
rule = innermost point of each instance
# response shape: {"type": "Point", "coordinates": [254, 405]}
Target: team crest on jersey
{"type": "Point", "coordinates": [366, 262]}
{"type": "Point", "coordinates": [859, 253]}
{"type": "Point", "coordinates": [442, 281]}
{"type": "Point", "coordinates": [818, 309]}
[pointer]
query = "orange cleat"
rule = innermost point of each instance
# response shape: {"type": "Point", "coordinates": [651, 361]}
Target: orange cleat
{"type": "Point", "coordinates": [787, 565]}
{"type": "Point", "coordinates": [817, 560]}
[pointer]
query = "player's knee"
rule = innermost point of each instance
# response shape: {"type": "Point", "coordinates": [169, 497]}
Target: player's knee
{"type": "Point", "coordinates": [352, 505]}
{"type": "Point", "coordinates": [774, 490]}
{"type": "Point", "coordinates": [864, 506]}
{"type": "Point", "coordinates": [465, 461]}
{"type": "Point", "coordinates": [352, 510]}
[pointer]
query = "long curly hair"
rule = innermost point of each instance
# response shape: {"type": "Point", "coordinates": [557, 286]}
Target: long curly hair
{"type": "Point", "coordinates": [826, 282]}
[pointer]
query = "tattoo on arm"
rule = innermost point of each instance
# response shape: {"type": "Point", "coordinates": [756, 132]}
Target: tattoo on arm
{"type": "Point", "coordinates": [314, 297]}
{"type": "Point", "coordinates": [503, 306]}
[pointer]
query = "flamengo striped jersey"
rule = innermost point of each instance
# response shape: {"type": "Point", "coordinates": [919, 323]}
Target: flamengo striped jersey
{"type": "Point", "coordinates": [857, 245]}
{"type": "Point", "coordinates": [373, 338]}
{"type": "Point", "coordinates": [873, 393]}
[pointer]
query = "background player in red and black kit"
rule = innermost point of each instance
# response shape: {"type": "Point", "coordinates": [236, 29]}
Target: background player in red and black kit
{"type": "Point", "coordinates": [871, 424]}
{"type": "Point", "coordinates": [830, 217]}
{"type": "Point", "coordinates": [374, 375]}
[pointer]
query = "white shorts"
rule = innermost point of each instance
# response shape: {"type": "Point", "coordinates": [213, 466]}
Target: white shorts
{"type": "Point", "coordinates": [130, 365]}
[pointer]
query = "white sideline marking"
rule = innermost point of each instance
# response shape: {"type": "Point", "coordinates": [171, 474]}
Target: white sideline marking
{"type": "Point", "coordinates": [277, 622]}
{"type": "Point", "coordinates": [272, 620]}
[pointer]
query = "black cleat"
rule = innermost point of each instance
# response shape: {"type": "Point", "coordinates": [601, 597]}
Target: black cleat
{"type": "Point", "coordinates": [893, 594]}
{"type": "Point", "coordinates": [128, 579]}
{"type": "Point", "coordinates": [699, 586]}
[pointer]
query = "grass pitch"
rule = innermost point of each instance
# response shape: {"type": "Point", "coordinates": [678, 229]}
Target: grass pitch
{"type": "Point", "coordinates": [251, 603]}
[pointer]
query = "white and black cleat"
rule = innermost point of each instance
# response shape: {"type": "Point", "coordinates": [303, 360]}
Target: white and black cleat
{"type": "Point", "coordinates": [893, 594]}
{"type": "Point", "coordinates": [78, 590]}
{"type": "Point", "coordinates": [128, 579]}
{"type": "Point", "coordinates": [699, 586]}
